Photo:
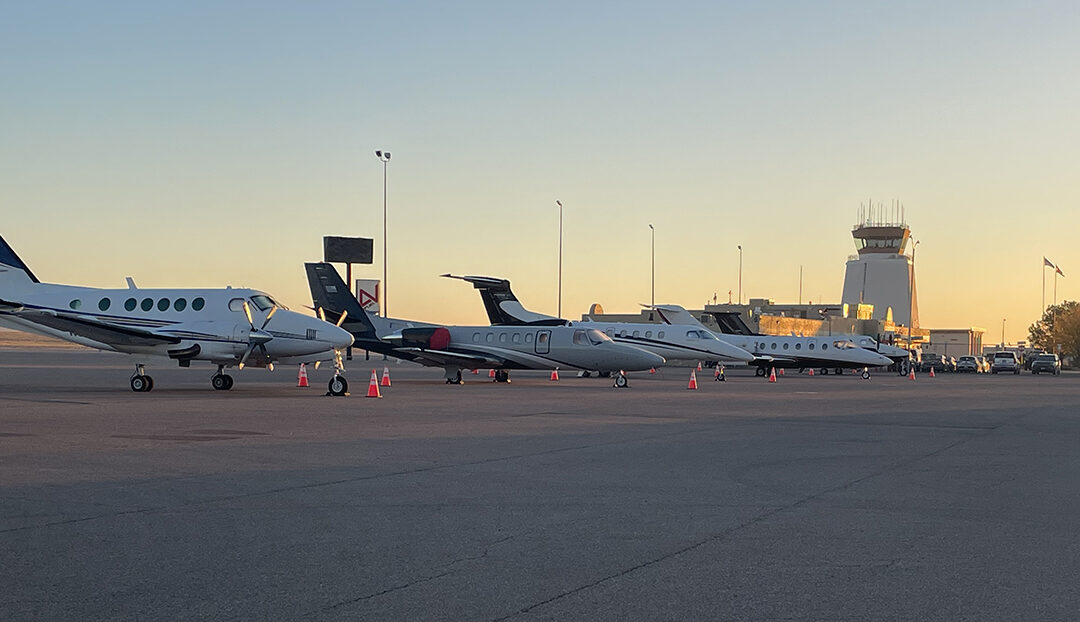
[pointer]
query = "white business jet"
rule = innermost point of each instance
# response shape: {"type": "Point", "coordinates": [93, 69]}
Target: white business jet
{"type": "Point", "coordinates": [455, 348]}
{"type": "Point", "coordinates": [185, 325]}
{"type": "Point", "coordinates": [837, 353]}
{"type": "Point", "coordinates": [682, 342]}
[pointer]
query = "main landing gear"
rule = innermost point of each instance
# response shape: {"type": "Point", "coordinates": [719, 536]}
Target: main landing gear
{"type": "Point", "coordinates": [502, 375]}
{"type": "Point", "coordinates": [221, 381]}
{"type": "Point", "coordinates": [140, 382]}
{"type": "Point", "coordinates": [454, 378]}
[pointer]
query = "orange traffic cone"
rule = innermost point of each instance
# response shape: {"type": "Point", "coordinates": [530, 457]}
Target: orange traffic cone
{"type": "Point", "coordinates": [385, 377]}
{"type": "Point", "coordinates": [476, 372]}
{"type": "Point", "coordinates": [373, 386]}
{"type": "Point", "coordinates": [911, 374]}
{"type": "Point", "coordinates": [301, 377]}
{"type": "Point", "coordinates": [811, 371]}
{"type": "Point", "coordinates": [693, 380]}
{"type": "Point", "coordinates": [932, 372]}
{"type": "Point", "coordinates": [781, 371]}
{"type": "Point", "coordinates": [491, 373]}
{"type": "Point", "coordinates": [699, 365]}
{"type": "Point", "coordinates": [772, 374]}
{"type": "Point", "coordinates": [555, 374]}
{"type": "Point", "coordinates": [652, 370]}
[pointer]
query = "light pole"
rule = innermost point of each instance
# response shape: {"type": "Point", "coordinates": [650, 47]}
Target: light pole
{"type": "Point", "coordinates": [911, 295]}
{"type": "Point", "coordinates": [1003, 332]}
{"type": "Point", "coordinates": [740, 274]}
{"type": "Point", "coordinates": [559, 313]}
{"type": "Point", "coordinates": [384, 157]}
{"type": "Point", "coordinates": [652, 260]}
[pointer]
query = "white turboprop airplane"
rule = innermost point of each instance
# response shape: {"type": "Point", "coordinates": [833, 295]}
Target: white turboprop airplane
{"type": "Point", "coordinates": [473, 347]}
{"type": "Point", "coordinates": [185, 325]}
{"type": "Point", "coordinates": [683, 342]}
{"type": "Point", "coordinates": [838, 353]}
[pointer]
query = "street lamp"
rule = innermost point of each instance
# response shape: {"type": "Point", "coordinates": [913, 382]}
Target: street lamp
{"type": "Point", "coordinates": [652, 260]}
{"type": "Point", "coordinates": [911, 295]}
{"type": "Point", "coordinates": [559, 313]}
{"type": "Point", "coordinates": [740, 274]}
{"type": "Point", "coordinates": [384, 157]}
{"type": "Point", "coordinates": [1003, 332]}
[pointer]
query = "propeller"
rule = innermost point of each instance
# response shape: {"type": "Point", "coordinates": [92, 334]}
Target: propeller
{"type": "Point", "coordinates": [258, 337]}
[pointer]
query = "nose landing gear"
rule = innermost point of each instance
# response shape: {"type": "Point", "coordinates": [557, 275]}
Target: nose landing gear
{"type": "Point", "coordinates": [221, 381]}
{"type": "Point", "coordinates": [140, 382]}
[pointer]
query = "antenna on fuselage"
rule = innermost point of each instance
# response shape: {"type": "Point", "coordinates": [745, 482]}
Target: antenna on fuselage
{"type": "Point", "coordinates": [130, 282]}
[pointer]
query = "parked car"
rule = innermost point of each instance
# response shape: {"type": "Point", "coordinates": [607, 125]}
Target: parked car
{"type": "Point", "coordinates": [968, 364]}
{"type": "Point", "coordinates": [1046, 364]}
{"type": "Point", "coordinates": [932, 360]}
{"type": "Point", "coordinates": [1005, 362]}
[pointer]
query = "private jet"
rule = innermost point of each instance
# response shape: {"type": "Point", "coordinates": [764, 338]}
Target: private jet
{"type": "Point", "coordinates": [681, 342]}
{"type": "Point", "coordinates": [455, 348]}
{"type": "Point", "coordinates": [184, 325]}
{"type": "Point", "coordinates": [826, 353]}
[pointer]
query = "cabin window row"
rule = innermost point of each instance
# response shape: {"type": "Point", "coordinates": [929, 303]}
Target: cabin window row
{"type": "Point", "coordinates": [147, 304]}
{"type": "Point", "coordinates": [798, 346]}
{"type": "Point", "coordinates": [517, 338]}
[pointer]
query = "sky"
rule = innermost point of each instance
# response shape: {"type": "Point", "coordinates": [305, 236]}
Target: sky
{"type": "Point", "coordinates": [206, 143]}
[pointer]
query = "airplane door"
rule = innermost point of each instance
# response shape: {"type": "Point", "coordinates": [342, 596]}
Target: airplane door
{"type": "Point", "coordinates": [543, 341]}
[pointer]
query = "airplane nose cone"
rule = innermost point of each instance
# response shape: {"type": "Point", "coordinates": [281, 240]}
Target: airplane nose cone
{"type": "Point", "coordinates": [737, 353]}
{"type": "Point", "coordinates": [643, 359]}
{"type": "Point", "coordinates": [340, 338]}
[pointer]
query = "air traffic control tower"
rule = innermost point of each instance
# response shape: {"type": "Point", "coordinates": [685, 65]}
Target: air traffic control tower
{"type": "Point", "coordinates": [882, 274]}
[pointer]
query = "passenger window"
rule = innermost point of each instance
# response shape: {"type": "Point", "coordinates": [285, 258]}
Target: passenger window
{"type": "Point", "coordinates": [130, 304]}
{"type": "Point", "coordinates": [516, 338]}
{"type": "Point", "coordinates": [476, 337]}
{"type": "Point", "coordinates": [197, 304]}
{"type": "Point", "coordinates": [691, 334]}
{"type": "Point", "coordinates": [610, 332]}
{"type": "Point", "coordinates": [637, 333]}
{"type": "Point", "coordinates": [528, 337]}
{"type": "Point", "coordinates": [75, 304]}
{"type": "Point", "coordinates": [180, 304]}
{"type": "Point", "coordinates": [236, 304]}
{"type": "Point", "coordinates": [502, 337]}
{"type": "Point", "coordinates": [104, 304]}
{"type": "Point", "coordinates": [798, 346]}
{"type": "Point", "coordinates": [163, 304]}
{"type": "Point", "coordinates": [648, 334]}
{"type": "Point", "coordinates": [773, 346]}
{"type": "Point", "coordinates": [811, 345]}
{"type": "Point", "coordinates": [542, 338]}
{"type": "Point", "coordinates": [785, 346]}
{"type": "Point", "coordinates": [490, 337]}
{"type": "Point", "coordinates": [824, 346]}
{"type": "Point", "coordinates": [660, 335]}
{"type": "Point", "coordinates": [147, 304]}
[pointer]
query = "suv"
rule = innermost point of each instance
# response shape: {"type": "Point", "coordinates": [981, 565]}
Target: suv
{"type": "Point", "coordinates": [932, 360]}
{"type": "Point", "coordinates": [1005, 362]}
{"type": "Point", "coordinates": [968, 363]}
{"type": "Point", "coordinates": [1046, 363]}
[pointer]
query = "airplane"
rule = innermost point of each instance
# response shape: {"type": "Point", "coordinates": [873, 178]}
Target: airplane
{"type": "Point", "coordinates": [185, 325]}
{"type": "Point", "coordinates": [687, 343]}
{"type": "Point", "coordinates": [455, 348]}
{"type": "Point", "coordinates": [899, 356]}
{"type": "Point", "coordinates": [837, 353]}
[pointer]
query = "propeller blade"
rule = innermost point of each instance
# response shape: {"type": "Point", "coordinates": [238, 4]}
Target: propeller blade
{"type": "Point", "coordinates": [247, 353]}
{"type": "Point", "coordinates": [317, 364]}
{"type": "Point", "coordinates": [273, 310]}
{"type": "Point", "coordinates": [341, 320]}
{"type": "Point", "coordinates": [247, 313]}
{"type": "Point", "coordinates": [322, 314]}
{"type": "Point", "coordinates": [269, 363]}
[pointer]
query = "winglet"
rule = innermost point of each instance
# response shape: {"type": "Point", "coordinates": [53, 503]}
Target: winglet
{"type": "Point", "coordinates": [9, 259]}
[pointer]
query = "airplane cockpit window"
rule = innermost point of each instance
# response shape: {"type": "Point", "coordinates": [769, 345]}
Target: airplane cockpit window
{"type": "Point", "coordinates": [844, 344]}
{"type": "Point", "coordinates": [707, 335]}
{"type": "Point", "coordinates": [262, 302]}
{"type": "Point", "coordinates": [198, 304]}
{"type": "Point", "coordinates": [236, 304]}
{"type": "Point", "coordinates": [580, 339]}
{"type": "Point", "coordinates": [597, 337]}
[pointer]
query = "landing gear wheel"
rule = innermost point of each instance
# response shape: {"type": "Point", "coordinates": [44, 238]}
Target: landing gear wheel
{"type": "Point", "coordinates": [604, 374]}
{"type": "Point", "coordinates": [621, 382]}
{"type": "Point", "coordinates": [338, 386]}
{"type": "Point", "coordinates": [141, 384]}
{"type": "Point", "coordinates": [221, 382]}
{"type": "Point", "coordinates": [456, 379]}
{"type": "Point", "coordinates": [760, 372]}
{"type": "Point", "coordinates": [839, 371]}
{"type": "Point", "coordinates": [866, 374]}
{"type": "Point", "coordinates": [824, 371]}
{"type": "Point", "coordinates": [502, 375]}
{"type": "Point", "coordinates": [583, 374]}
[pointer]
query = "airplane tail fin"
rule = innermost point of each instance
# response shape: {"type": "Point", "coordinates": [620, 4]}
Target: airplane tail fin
{"type": "Point", "coordinates": [502, 306]}
{"type": "Point", "coordinates": [332, 295]}
{"type": "Point", "coordinates": [13, 271]}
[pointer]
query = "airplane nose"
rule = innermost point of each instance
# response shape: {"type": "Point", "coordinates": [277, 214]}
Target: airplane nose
{"type": "Point", "coordinates": [646, 360]}
{"type": "Point", "coordinates": [737, 353]}
{"type": "Point", "coordinates": [341, 338]}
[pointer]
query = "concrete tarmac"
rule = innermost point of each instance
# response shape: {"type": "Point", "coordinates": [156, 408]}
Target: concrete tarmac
{"type": "Point", "coordinates": [815, 498]}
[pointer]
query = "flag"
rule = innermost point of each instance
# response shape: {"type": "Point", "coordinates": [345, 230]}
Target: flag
{"type": "Point", "coordinates": [1058, 270]}
{"type": "Point", "coordinates": [1046, 262]}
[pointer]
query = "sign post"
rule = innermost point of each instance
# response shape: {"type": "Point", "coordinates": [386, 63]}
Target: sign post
{"type": "Point", "coordinates": [347, 251]}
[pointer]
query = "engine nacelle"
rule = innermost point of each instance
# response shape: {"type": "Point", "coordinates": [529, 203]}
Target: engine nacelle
{"type": "Point", "coordinates": [435, 338]}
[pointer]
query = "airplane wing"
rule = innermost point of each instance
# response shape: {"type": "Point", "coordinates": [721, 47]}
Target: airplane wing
{"type": "Point", "coordinates": [87, 328]}
{"type": "Point", "coordinates": [442, 358]}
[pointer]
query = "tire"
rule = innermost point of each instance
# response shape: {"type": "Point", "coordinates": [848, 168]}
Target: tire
{"type": "Point", "coordinates": [760, 372]}
{"type": "Point", "coordinates": [149, 384]}
{"type": "Point", "coordinates": [621, 382]}
{"type": "Point", "coordinates": [338, 386]}
{"type": "Point", "coordinates": [865, 375]}
{"type": "Point", "coordinates": [220, 382]}
{"type": "Point", "coordinates": [228, 382]}
{"type": "Point", "coordinates": [139, 384]}
{"type": "Point", "coordinates": [824, 371]}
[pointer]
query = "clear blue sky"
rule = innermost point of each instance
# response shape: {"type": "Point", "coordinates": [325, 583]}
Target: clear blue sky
{"type": "Point", "coordinates": [203, 143]}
